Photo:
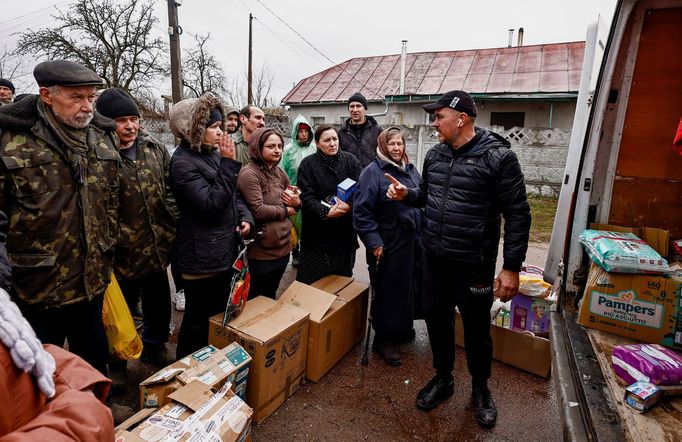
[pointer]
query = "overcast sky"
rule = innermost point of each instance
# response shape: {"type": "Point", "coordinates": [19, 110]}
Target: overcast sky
{"type": "Point", "coordinates": [341, 30]}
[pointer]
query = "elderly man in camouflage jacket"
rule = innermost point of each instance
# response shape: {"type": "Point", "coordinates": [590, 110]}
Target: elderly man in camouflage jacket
{"type": "Point", "coordinates": [146, 220]}
{"type": "Point", "coordinates": [59, 187]}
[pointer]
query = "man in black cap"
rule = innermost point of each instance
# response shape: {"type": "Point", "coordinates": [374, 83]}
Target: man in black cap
{"type": "Point", "coordinates": [469, 182]}
{"type": "Point", "coordinates": [59, 187]}
{"type": "Point", "coordinates": [360, 132]}
{"type": "Point", "coordinates": [6, 92]}
{"type": "Point", "coordinates": [146, 221]}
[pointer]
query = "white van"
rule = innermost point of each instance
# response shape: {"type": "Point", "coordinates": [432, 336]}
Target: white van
{"type": "Point", "coordinates": [622, 169]}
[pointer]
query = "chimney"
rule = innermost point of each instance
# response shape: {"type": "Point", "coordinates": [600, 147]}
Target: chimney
{"type": "Point", "coordinates": [520, 41]}
{"type": "Point", "coordinates": [403, 61]}
{"type": "Point", "coordinates": [511, 38]}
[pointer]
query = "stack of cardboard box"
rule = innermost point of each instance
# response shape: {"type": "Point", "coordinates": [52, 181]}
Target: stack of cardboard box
{"type": "Point", "coordinates": [638, 306]}
{"type": "Point", "coordinates": [303, 334]}
{"type": "Point", "coordinates": [193, 413]}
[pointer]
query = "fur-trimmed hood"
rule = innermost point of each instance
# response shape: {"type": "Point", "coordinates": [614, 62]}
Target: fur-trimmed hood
{"type": "Point", "coordinates": [23, 115]}
{"type": "Point", "coordinates": [188, 118]}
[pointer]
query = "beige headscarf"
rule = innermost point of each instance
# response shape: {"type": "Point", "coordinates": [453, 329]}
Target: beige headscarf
{"type": "Point", "coordinates": [382, 146]}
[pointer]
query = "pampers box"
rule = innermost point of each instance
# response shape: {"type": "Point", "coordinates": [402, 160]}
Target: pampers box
{"type": "Point", "coordinates": [642, 307]}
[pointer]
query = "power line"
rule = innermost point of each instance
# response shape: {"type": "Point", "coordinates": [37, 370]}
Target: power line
{"type": "Point", "coordinates": [32, 12]}
{"type": "Point", "coordinates": [352, 76]}
{"type": "Point", "coordinates": [300, 52]}
{"type": "Point", "coordinates": [296, 32]}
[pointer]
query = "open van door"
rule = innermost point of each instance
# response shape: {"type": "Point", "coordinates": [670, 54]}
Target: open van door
{"type": "Point", "coordinates": [621, 169]}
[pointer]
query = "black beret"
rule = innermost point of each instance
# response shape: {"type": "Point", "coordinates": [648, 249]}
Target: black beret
{"type": "Point", "coordinates": [8, 84]}
{"type": "Point", "coordinates": [65, 73]}
{"type": "Point", "coordinates": [114, 103]}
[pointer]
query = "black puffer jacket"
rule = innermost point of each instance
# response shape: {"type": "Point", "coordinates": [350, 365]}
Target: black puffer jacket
{"type": "Point", "coordinates": [360, 141]}
{"type": "Point", "coordinates": [466, 191]}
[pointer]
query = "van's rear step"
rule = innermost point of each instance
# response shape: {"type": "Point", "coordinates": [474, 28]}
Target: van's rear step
{"type": "Point", "coordinates": [585, 403]}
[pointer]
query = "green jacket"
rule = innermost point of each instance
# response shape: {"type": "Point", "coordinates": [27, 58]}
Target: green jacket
{"type": "Point", "coordinates": [63, 218]}
{"type": "Point", "coordinates": [147, 212]}
{"type": "Point", "coordinates": [242, 147]}
{"type": "Point", "coordinates": [294, 153]}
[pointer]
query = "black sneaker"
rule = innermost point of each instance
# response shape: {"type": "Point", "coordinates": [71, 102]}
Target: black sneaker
{"type": "Point", "coordinates": [435, 392]}
{"type": "Point", "coordinates": [484, 406]}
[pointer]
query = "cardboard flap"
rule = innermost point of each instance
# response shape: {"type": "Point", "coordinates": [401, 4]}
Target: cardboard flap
{"type": "Point", "coordinates": [127, 436]}
{"type": "Point", "coordinates": [352, 291]}
{"type": "Point", "coordinates": [332, 283]}
{"type": "Point", "coordinates": [313, 300]}
{"type": "Point", "coordinates": [264, 318]}
{"type": "Point", "coordinates": [192, 395]}
{"type": "Point", "coordinates": [163, 376]}
{"type": "Point", "coordinates": [135, 419]}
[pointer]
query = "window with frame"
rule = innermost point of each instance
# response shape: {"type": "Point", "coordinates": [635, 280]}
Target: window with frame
{"type": "Point", "coordinates": [316, 121]}
{"type": "Point", "coordinates": [507, 119]}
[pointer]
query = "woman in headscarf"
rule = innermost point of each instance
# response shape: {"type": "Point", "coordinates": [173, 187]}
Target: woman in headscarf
{"type": "Point", "coordinates": [203, 175]}
{"type": "Point", "coordinates": [270, 198]}
{"type": "Point", "coordinates": [329, 242]}
{"type": "Point", "coordinates": [390, 232]}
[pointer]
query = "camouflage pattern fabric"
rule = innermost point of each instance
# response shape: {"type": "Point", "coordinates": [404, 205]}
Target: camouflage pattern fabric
{"type": "Point", "coordinates": [62, 214]}
{"type": "Point", "coordinates": [147, 213]}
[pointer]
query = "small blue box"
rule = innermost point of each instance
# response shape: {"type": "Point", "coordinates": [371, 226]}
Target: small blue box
{"type": "Point", "coordinates": [345, 189]}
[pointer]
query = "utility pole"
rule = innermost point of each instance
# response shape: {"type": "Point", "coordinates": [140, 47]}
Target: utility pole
{"type": "Point", "coordinates": [250, 74]}
{"type": "Point", "coordinates": [174, 31]}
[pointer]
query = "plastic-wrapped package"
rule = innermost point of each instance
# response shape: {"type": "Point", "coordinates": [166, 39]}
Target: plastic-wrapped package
{"type": "Point", "coordinates": [650, 363]}
{"type": "Point", "coordinates": [622, 252]}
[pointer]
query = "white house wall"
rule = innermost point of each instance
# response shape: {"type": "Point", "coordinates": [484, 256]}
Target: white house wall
{"type": "Point", "coordinates": [537, 114]}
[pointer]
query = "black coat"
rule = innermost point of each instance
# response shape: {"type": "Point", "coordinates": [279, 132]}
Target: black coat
{"type": "Point", "coordinates": [318, 181]}
{"type": "Point", "coordinates": [364, 146]}
{"type": "Point", "coordinates": [466, 191]}
{"type": "Point", "coordinates": [396, 227]}
{"type": "Point", "coordinates": [205, 189]}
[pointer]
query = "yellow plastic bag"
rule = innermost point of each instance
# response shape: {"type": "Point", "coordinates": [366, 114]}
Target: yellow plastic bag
{"type": "Point", "coordinates": [124, 342]}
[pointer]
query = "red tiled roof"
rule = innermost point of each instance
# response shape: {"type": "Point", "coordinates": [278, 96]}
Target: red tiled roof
{"type": "Point", "coordinates": [519, 70]}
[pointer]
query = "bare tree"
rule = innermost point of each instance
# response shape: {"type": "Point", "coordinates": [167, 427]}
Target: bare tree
{"type": "Point", "coordinates": [11, 65]}
{"type": "Point", "coordinates": [202, 72]}
{"type": "Point", "coordinates": [112, 38]}
{"type": "Point", "coordinates": [262, 85]}
{"type": "Point", "coordinates": [235, 91]}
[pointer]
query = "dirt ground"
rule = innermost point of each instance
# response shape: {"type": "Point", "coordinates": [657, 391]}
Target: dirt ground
{"type": "Point", "coordinates": [376, 402]}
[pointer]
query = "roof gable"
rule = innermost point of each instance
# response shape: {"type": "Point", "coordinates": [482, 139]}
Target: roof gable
{"type": "Point", "coordinates": [526, 69]}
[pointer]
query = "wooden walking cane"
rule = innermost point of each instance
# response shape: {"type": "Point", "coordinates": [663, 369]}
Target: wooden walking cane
{"type": "Point", "coordinates": [365, 353]}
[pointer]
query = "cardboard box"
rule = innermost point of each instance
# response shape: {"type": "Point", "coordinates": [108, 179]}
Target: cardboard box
{"type": "Point", "coordinates": [642, 307]}
{"type": "Point", "coordinates": [212, 366]}
{"type": "Point", "coordinates": [338, 315]}
{"type": "Point", "coordinates": [195, 412]}
{"type": "Point", "coordinates": [518, 349]}
{"type": "Point", "coordinates": [530, 314]}
{"type": "Point", "coordinates": [275, 335]}
{"type": "Point", "coordinates": [345, 189]}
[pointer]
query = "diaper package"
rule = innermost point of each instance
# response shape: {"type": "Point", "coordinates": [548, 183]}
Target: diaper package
{"type": "Point", "coordinates": [622, 252]}
{"type": "Point", "coordinates": [650, 363]}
